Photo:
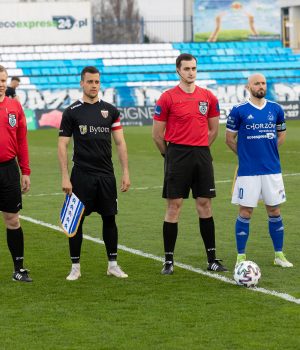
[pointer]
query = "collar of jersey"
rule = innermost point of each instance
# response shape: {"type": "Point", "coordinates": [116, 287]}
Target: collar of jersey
{"type": "Point", "coordinates": [81, 100]}
{"type": "Point", "coordinates": [260, 108]}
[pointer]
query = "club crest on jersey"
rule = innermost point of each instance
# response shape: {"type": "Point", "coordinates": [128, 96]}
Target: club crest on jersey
{"type": "Point", "coordinates": [12, 120]}
{"type": "Point", "coordinates": [104, 114]}
{"type": "Point", "coordinates": [203, 106]}
{"type": "Point", "coordinates": [83, 129]}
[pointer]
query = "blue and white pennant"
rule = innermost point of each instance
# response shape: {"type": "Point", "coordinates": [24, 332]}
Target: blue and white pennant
{"type": "Point", "coordinates": [71, 214]}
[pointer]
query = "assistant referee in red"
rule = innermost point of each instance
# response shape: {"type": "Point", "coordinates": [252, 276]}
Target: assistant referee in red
{"type": "Point", "coordinates": [13, 155]}
{"type": "Point", "coordinates": [186, 123]}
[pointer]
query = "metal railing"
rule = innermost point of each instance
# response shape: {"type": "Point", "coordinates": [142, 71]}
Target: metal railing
{"type": "Point", "coordinates": [142, 31]}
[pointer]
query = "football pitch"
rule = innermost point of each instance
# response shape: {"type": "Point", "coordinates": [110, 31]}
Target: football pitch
{"type": "Point", "coordinates": [191, 309]}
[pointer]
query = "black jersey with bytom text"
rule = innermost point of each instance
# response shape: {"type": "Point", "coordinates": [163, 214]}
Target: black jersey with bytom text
{"type": "Point", "coordinates": [91, 126]}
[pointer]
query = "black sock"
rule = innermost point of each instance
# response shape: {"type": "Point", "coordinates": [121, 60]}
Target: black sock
{"type": "Point", "coordinates": [75, 243]}
{"type": "Point", "coordinates": [110, 236]}
{"type": "Point", "coordinates": [170, 231]}
{"type": "Point", "coordinates": [15, 242]}
{"type": "Point", "coordinates": [207, 230]}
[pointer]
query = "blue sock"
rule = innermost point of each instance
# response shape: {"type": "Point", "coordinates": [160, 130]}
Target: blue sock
{"type": "Point", "coordinates": [276, 230]}
{"type": "Point", "coordinates": [241, 233]}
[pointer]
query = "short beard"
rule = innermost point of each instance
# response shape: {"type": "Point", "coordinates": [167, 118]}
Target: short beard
{"type": "Point", "coordinates": [259, 94]}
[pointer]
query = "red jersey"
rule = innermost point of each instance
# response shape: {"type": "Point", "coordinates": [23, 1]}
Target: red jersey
{"type": "Point", "coordinates": [13, 134]}
{"type": "Point", "coordinates": [186, 115]}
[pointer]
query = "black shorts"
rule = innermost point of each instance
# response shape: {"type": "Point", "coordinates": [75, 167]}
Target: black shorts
{"type": "Point", "coordinates": [188, 167]}
{"type": "Point", "coordinates": [10, 187]}
{"type": "Point", "coordinates": [97, 193]}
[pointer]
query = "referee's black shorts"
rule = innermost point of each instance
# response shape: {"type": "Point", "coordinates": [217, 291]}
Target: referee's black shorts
{"type": "Point", "coordinates": [10, 187]}
{"type": "Point", "coordinates": [98, 193]}
{"type": "Point", "coordinates": [188, 167]}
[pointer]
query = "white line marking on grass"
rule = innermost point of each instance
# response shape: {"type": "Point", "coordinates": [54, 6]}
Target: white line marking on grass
{"type": "Point", "coordinates": [138, 188]}
{"type": "Point", "coordinates": [284, 296]}
{"type": "Point", "coordinates": [45, 194]}
{"type": "Point", "coordinates": [295, 174]}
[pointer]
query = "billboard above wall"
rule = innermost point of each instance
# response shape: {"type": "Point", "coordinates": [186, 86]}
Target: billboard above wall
{"type": "Point", "coordinates": [227, 20]}
{"type": "Point", "coordinates": [45, 23]}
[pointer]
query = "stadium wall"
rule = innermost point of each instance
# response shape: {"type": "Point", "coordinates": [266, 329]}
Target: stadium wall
{"type": "Point", "coordinates": [44, 109]}
{"type": "Point", "coordinates": [290, 21]}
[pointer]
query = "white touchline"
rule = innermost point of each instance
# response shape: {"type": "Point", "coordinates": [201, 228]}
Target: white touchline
{"type": "Point", "coordinates": [284, 296]}
{"type": "Point", "coordinates": [138, 188]}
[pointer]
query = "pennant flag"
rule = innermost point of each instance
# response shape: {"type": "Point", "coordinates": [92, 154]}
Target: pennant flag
{"type": "Point", "coordinates": [71, 214]}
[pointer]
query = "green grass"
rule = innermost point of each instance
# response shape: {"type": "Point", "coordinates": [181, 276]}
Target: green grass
{"type": "Point", "coordinates": [149, 311]}
{"type": "Point", "coordinates": [230, 35]}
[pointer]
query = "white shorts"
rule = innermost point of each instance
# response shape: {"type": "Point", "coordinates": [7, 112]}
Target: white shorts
{"type": "Point", "coordinates": [248, 190]}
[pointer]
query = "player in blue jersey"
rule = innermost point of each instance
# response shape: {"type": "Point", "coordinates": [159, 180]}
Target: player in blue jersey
{"type": "Point", "coordinates": [254, 131]}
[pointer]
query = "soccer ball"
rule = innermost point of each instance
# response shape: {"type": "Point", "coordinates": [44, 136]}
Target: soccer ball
{"type": "Point", "coordinates": [247, 273]}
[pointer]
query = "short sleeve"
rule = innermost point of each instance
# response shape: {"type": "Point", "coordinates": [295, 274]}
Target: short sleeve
{"type": "Point", "coordinates": [66, 125]}
{"type": "Point", "coordinates": [162, 107]}
{"type": "Point", "coordinates": [233, 120]}
{"type": "Point", "coordinates": [280, 122]}
{"type": "Point", "coordinates": [116, 120]}
{"type": "Point", "coordinates": [214, 109]}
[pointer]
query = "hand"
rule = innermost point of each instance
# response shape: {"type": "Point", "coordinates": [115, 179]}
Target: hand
{"type": "Point", "coordinates": [125, 184]}
{"type": "Point", "coordinates": [66, 186]}
{"type": "Point", "coordinates": [25, 183]}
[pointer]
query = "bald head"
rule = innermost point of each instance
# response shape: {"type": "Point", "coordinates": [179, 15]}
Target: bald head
{"type": "Point", "coordinates": [256, 77]}
{"type": "Point", "coordinates": [257, 85]}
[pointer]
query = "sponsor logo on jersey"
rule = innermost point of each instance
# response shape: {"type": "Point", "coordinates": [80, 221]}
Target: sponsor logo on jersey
{"type": "Point", "coordinates": [99, 129]}
{"type": "Point", "coordinates": [203, 106]}
{"type": "Point", "coordinates": [78, 105]}
{"type": "Point", "coordinates": [157, 110]}
{"type": "Point", "coordinates": [12, 120]}
{"type": "Point", "coordinates": [104, 114]}
{"type": "Point", "coordinates": [258, 126]}
{"type": "Point", "coordinates": [250, 117]}
{"type": "Point", "coordinates": [270, 135]}
{"type": "Point", "coordinates": [83, 129]}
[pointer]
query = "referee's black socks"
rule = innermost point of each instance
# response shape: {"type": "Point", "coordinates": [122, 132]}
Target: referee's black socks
{"type": "Point", "coordinates": [170, 231]}
{"type": "Point", "coordinates": [207, 230]}
{"type": "Point", "coordinates": [15, 242]}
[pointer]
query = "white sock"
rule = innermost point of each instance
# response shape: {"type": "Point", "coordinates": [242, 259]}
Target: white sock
{"type": "Point", "coordinates": [112, 263]}
{"type": "Point", "coordinates": [76, 266]}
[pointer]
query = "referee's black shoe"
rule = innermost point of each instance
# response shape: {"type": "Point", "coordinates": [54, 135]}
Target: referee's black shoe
{"type": "Point", "coordinates": [21, 276]}
{"type": "Point", "coordinates": [168, 268]}
{"type": "Point", "coordinates": [216, 266]}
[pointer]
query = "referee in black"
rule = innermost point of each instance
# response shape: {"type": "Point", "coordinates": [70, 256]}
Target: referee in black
{"type": "Point", "coordinates": [91, 122]}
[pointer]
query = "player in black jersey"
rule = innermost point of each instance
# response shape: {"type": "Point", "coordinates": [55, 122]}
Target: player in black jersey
{"type": "Point", "coordinates": [91, 122]}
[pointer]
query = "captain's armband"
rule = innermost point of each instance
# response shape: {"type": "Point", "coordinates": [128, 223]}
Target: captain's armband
{"type": "Point", "coordinates": [281, 127]}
